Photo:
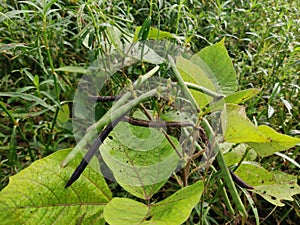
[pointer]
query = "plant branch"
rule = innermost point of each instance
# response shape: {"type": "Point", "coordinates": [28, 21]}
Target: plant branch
{"type": "Point", "coordinates": [183, 85]}
{"type": "Point", "coordinates": [226, 175]}
{"type": "Point", "coordinates": [204, 90]}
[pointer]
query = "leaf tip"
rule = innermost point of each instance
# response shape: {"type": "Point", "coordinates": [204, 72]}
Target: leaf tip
{"type": "Point", "coordinates": [222, 42]}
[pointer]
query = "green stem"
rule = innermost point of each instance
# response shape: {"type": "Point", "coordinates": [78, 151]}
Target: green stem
{"type": "Point", "coordinates": [242, 159]}
{"type": "Point", "coordinates": [203, 90]}
{"type": "Point", "coordinates": [226, 174]}
{"type": "Point", "coordinates": [182, 84]}
{"type": "Point", "coordinates": [49, 56]}
{"type": "Point", "coordinates": [51, 131]}
{"type": "Point", "coordinates": [230, 184]}
{"type": "Point", "coordinates": [151, 8]}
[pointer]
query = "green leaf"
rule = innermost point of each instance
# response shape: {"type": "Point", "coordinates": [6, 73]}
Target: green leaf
{"type": "Point", "coordinates": [27, 115]}
{"type": "Point", "coordinates": [72, 69]}
{"type": "Point", "coordinates": [5, 48]}
{"type": "Point", "coordinates": [285, 187]}
{"type": "Point", "coordinates": [36, 80]}
{"type": "Point", "coordinates": [13, 13]}
{"type": "Point", "coordinates": [125, 211]}
{"type": "Point", "coordinates": [36, 195]}
{"type": "Point", "coordinates": [177, 208]}
{"type": "Point", "coordinates": [274, 186]}
{"type": "Point", "coordinates": [174, 210]}
{"type": "Point", "coordinates": [140, 158]}
{"type": "Point", "coordinates": [154, 34]}
{"type": "Point", "coordinates": [235, 98]}
{"type": "Point", "coordinates": [242, 96]}
{"type": "Point", "coordinates": [277, 142]}
{"type": "Point", "coordinates": [195, 74]}
{"type": "Point", "coordinates": [144, 31]}
{"type": "Point", "coordinates": [237, 128]}
{"type": "Point", "coordinates": [236, 154]}
{"type": "Point", "coordinates": [27, 97]}
{"type": "Point", "coordinates": [254, 174]}
{"type": "Point", "coordinates": [218, 60]}
{"type": "Point", "coordinates": [141, 191]}
{"type": "Point", "coordinates": [64, 114]}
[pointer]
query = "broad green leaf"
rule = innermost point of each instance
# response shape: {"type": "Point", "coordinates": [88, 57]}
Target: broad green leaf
{"type": "Point", "coordinates": [242, 96]}
{"type": "Point", "coordinates": [273, 186]}
{"type": "Point", "coordinates": [36, 195]}
{"type": "Point", "coordinates": [285, 187]}
{"type": "Point", "coordinates": [154, 34]}
{"type": "Point", "coordinates": [235, 98]}
{"type": "Point", "coordinates": [140, 158]}
{"type": "Point", "coordinates": [195, 74]}
{"type": "Point", "coordinates": [140, 191]}
{"type": "Point", "coordinates": [177, 208]}
{"type": "Point", "coordinates": [195, 59]}
{"type": "Point", "coordinates": [237, 128]}
{"type": "Point", "coordinates": [254, 174]}
{"type": "Point", "coordinates": [276, 192]}
{"type": "Point", "coordinates": [174, 210]}
{"type": "Point", "coordinates": [125, 211]}
{"type": "Point", "coordinates": [277, 142]}
{"type": "Point", "coordinates": [72, 69]}
{"type": "Point", "coordinates": [218, 60]}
